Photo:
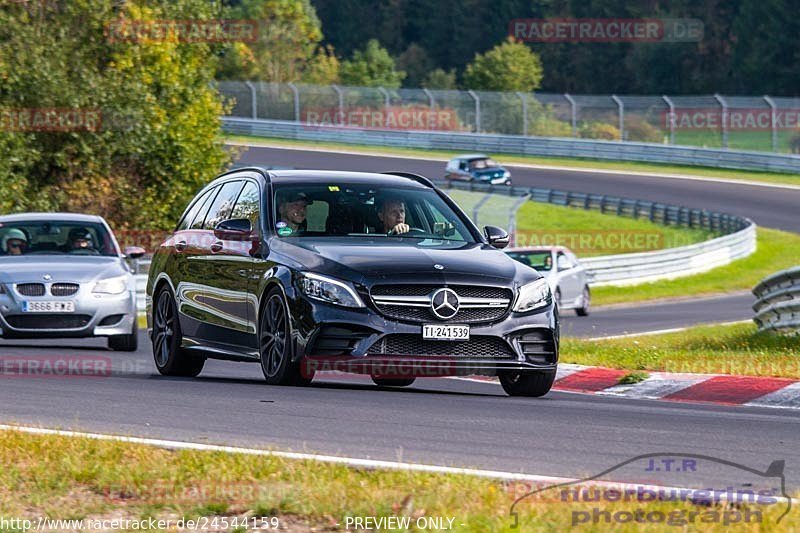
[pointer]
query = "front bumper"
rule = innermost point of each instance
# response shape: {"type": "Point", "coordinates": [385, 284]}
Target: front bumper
{"type": "Point", "coordinates": [350, 340]}
{"type": "Point", "coordinates": [94, 316]}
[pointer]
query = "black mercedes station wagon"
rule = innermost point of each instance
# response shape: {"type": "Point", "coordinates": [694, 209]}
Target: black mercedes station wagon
{"type": "Point", "coordinates": [378, 274]}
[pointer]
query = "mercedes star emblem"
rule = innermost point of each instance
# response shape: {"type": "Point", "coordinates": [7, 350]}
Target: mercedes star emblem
{"type": "Point", "coordinates": [444, 303]}
{"type": "Point", "coordinates": [437, 266]}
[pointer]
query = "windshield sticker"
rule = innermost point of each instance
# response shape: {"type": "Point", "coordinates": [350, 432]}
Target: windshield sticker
{"type": "Point", "coordinates": [333, 188]}
{"type": "Point", "coordinates": [281, 224]}
{"type": "Point", "coordinates": [283, 232]}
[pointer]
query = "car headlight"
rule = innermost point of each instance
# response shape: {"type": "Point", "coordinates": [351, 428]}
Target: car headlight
{"type": "Point", "coordinates": [329, 290]}
{"type": "Point", "coordinates": [116, 285]}
{"type": "Point", "coordinates": [533, 296]}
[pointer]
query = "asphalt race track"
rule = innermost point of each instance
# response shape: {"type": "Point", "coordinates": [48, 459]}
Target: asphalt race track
{"type": "Point", "coordinates": [436, 421]}
{"type": "Point", "coordinates": [772, 207]}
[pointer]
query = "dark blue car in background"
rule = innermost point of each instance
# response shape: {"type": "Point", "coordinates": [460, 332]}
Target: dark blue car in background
{"type": "Point", "coordinates": [477, 167]}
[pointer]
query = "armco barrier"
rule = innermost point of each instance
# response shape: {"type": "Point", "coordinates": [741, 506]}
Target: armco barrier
{"type": "Point", "coordinates": [778, 304]}
{"type": "Point", "coordinates": [517, 145]}
{"type": "Point", "coordinates": [738, 241]}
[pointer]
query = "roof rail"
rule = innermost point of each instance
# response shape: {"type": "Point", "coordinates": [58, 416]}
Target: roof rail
{"type": "Point", "coordinates": [416, 177]}
{"type": "Point", "coordinates": [264, 171]}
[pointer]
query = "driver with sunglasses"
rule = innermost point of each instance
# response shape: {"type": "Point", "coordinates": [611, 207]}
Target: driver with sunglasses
{"type": "Point", "coordinates": [15, 242]}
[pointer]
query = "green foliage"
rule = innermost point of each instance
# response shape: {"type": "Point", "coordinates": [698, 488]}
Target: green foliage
{"type": "Point", "coordinates": [598, 130]}
{"type": "Point", "coordinates": [371, 67]}
{"type": "Point", "coordinates": [440, 79]}
{"type": "Point", "coordinates": [416, 63]}
{"type": "Point", "coordinates": [287, 48]}
{"type": "Point", "coordinates": [509, 66]}
{"type": "Point", "coordinates": [158, 140]}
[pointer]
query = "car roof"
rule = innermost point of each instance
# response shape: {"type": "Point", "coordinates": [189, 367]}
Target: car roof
{"type": "Point", "coordinates": [51, 217]}
{"type": "Point", "coordinates": [336, 176]}
{"type": "Point", "coordinates": [471, 156]}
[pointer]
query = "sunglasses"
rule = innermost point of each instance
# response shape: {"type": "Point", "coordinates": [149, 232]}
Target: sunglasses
{"type": "Point", "coordinates": [16, 245]}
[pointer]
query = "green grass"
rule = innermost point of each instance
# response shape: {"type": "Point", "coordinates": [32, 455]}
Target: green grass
{"type": "Point", "coordinates": [776, 251]}
{"type": "Point", "coordinates": [730, 349]}
{"type": "Point", "coordinates": [708, 172]}
{"type": "Point", "coordinates": [590, 233]}
{"type": "Point", "coordinates": [64, 477]}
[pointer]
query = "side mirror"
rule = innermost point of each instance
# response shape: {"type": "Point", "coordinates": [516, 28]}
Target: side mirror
{"type": "Point", "coordinates": [497, 237]}
{"type": "Point", "coordinates": [234, 229]}
{"type": "Point", "coordinates": [134, 252]}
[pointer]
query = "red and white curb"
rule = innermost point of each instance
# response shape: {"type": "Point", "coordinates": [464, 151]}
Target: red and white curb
{"type": "Point", "coordinates": [691, 388]}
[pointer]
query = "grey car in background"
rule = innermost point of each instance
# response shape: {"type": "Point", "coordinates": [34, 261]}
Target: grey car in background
{"type": "Point", "coordinates": [62, 275]}
{"type": "Point", "coordinates": [568, 279]}
{"type": "Point", "coordinates": [479, 168]}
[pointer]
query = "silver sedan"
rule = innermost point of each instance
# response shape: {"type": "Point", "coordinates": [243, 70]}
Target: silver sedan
{"type": "Point", "coordinates": [62, 275]}
{"type": "Point", "coordinates": [568, 279]}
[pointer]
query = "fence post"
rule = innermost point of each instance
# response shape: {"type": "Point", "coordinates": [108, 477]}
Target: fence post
{"type": "Point", "coordinates": [773, 122]}
{"type": "Point", "coordinates": [431, 101]}
{"type": "Point", "coordinates": [571, 101]}
{"type": "Point", "coordinates": [253, 105]}
{"type": "Point", "coordinates": [621, 108]}
{"type": "Point", "coordinates": [671, 118]}
{"type": "Point", "coordinates": [477, 110]}
{"type": "Point", "coordinates": [386, 98]}
{"type": "Point", "coordinates": [524, 112]}
{"type": "Point", "coordinates": [296, 93]}
{"type": "Point", "coordinates": [341, 103]}
{"type": "Point", "coordinates": [724, 106]}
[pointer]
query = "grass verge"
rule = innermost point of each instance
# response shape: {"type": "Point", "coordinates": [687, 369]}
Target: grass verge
{"type": "Point", "coordinates": [737, 349]}
{"type": "Point", "coordinates": [776, 251]}
{"type": "Point", "coordinates": [78, 478]}
{"type": "Point", "coordinates": [591, 233]}
{"type": "Point", "coordinates": [707, 172]}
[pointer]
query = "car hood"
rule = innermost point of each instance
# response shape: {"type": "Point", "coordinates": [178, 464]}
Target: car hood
{"type": "Point", "coordinates": [61, 268]}
{"type": "Point", "coordinates": [402, 259]}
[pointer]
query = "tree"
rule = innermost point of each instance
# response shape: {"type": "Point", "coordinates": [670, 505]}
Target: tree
{"type": "Point", "coordinates": [157, 140]}
{"type": "Point", "coordinates": [440, 79]}
{"type": "Point", "coordinates": [371, 67]}
{"type": "Point", "coordinates": [509, 66]}
{"type": "Point", "coordinates": [414, 61]}
{"type": "Point", "coordinates": [287, 46]}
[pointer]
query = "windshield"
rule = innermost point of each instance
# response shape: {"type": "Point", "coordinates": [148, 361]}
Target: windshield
{"type": "Point", "coordinates": [480, 164]}
{"type": "Point", "coordinates": [55, 238]}
{"type": "Point", "coordinates": [359, 210]}
{"type": "Point", "coordinates": [542, 261]}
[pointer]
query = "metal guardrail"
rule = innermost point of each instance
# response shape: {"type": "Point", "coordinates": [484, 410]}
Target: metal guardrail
{"type": "Point", "coordinates": [517, 145]}
{"type": "Point", "coordinates": [778, 304]}
{"type": "Point", "coordinates": [738, 241]}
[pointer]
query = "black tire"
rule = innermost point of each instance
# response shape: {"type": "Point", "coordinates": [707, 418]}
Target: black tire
{"type": "Point", "coordinates": [583, 310]}
{"type": "Point", "coordinates": [126, 343]}
{"type": "Point", "coordinates": [528, 384]}
{"type": "Point", "coordinates": [275, 343]}
{"type": "Point", "coordinates": [170, 358]}
{"type": "Point", "coordinates": [388, 382]}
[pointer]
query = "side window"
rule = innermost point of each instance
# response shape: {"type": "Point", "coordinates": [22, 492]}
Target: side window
{"type": "Point", "coordinates": [197, 204]}
{"type": "Point", "coordinates": [200, 216]}
{"type": "Point", "coordinates": [563, 261]}
{"type": "Point", "coordinates": [248, 204]}
{"type": "Point", "coordinates": [222, 207]}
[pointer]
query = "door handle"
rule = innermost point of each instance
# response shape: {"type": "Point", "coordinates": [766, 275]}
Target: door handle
{"type": "Point", "coordinates": [180, 246]}
{"type": "Point", "coordinates": [216, 247]}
